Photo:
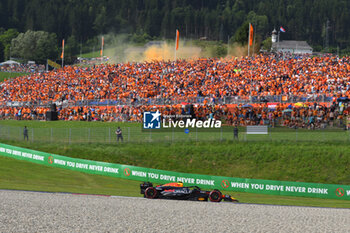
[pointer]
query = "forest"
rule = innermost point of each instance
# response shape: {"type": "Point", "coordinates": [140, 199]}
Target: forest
{"type": "Point", "coordinates": [322, 23]}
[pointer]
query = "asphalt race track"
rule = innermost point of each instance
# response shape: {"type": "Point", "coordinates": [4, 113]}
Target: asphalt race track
{"type": "Point", "coordinates": [22, 211]}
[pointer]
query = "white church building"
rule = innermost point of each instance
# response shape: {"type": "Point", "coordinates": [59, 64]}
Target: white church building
{"type": "Point", "coordinates": [289, 46]}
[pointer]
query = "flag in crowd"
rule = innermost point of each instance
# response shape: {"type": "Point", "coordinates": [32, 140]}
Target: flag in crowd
{"type": "Point", "coordinates": [177, 39]}
{"type": "Point", "coordinates": [62, 54]}
{"type": "Point", "coordinates": [251, 34]}
{"type": "Point", "coordinates": [102, 44]}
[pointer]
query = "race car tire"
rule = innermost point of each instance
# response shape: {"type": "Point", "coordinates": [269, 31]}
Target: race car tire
{"type": "Point", "coordinates": [151, 193]}
{"type": "Point", "coordinates": [215, 196]}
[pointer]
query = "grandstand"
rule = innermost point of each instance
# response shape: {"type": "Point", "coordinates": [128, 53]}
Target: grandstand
{"type": "Point", "coordinates": [288, 90]}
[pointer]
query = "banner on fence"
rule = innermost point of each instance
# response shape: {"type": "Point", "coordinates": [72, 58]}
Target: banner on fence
{"type": "Point", "coordinates": [285, 188]}
{"type": "Point", "coordinates": [53, 64]}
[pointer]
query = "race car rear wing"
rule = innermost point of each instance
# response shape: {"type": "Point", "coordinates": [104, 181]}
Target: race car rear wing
{"type": "Point", "coordinates": [144, 186]}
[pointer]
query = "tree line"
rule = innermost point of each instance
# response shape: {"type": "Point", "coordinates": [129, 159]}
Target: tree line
{"type": "Point", "coordinates": [323, 23]}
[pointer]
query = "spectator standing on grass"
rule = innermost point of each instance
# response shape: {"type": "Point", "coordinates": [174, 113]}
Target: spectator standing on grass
{"type": "Point", "coordinates": [119, 134]}
{"type": "Point", "coordinates": [235, 133]}
{"type": "Point", "coordinates": [25, 133]}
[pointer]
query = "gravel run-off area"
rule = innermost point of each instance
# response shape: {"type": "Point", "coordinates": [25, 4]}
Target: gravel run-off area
{"type": "Point", "coordinates": [22, 211]}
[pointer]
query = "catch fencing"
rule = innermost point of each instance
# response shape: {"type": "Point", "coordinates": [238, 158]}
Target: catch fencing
{"type": "Point", "coordinates": [172, 101]}
{"type": "Point", "coordinates": [134, 134]}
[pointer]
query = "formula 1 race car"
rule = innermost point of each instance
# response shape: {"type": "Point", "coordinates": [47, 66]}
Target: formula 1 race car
{"type": "Point", "coordinates": [178, 192]}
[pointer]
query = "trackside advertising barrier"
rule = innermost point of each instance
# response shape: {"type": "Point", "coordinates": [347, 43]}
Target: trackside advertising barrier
{"type": "Point", "coordinates": [285, 188]}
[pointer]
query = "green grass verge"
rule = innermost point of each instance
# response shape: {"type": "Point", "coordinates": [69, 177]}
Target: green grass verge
{"type": "Point", "coordinates": [8, 75]}
{"type": "Point", "coordinates": [327, 163]}
{"type": "Point", "coordinates": [103, 132]}
{"type": "Point", "coordinates": [277, 156]}
{"type": "Point", "coordinates": [19, 175]}
{"type": "Point", "coordinates": [90, 54]}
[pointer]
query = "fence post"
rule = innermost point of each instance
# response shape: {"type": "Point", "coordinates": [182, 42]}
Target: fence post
{"type": "Point", "coordinates": [220, 134]}
{"type": "Point", "coordinates": [233, 135]}
{"type": "Point", "coordinates": [70, 132]}
{"type": "Point", "coordinates": [88, 134]}
{"type": "Point", "coordinates": [172, 135]}
{"type": "Point", "coordinates": [128, 134]}
{"type": "Point", "coordinates": [323, 136]}
{"type": "Point", "coordinates": [109, 135]}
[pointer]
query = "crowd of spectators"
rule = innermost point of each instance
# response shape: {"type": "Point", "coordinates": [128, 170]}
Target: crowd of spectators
{"type": "Point", "coordinates": [261, 75]}
{"type": "Point", "coordinates": [312, 115]}
{"type": "Point", "coordinates": [22, 68]}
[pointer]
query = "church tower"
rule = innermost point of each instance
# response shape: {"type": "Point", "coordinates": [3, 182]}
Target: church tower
{"type": "Point", "coordinates": [274, 36]}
